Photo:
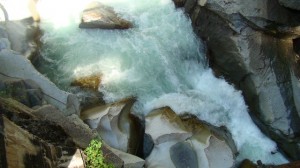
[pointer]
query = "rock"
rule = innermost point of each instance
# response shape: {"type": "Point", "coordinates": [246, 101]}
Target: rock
{"type": "Point", "coordinates": [80, 133]}
{"type": "Point", "coordinates": [253, 46]}
{"type": "Point", "coordinates": [147, 146]}
{"type": "Point", "coordinates": [179, 3]}
{"type": "Point", "coordinates": [90, 82]}
{"type": "Point", "coordinates": [130, 161]}
{"type": "Point", "coordinates": [26, 141]}
{"type": "Point", "coordinates": [188, 136]}
{"type": "Point", "coordinates": [88, 99]}
{"type": "Point", "coordinates": [22, 36]}
{"type": "Point", "coordinates": [183, 155]}
{"type": "Point", "coordinates": [4, 12]}
{"type": "Point", "coordinates": [248, 164]}
{"type": "Point", "coordinates": [111, 157]}
{"type": "Point", "coordinates": [289, 165]}
{"type": "Point", "coordinates": [24, 91]}
{"type": "Point", "coordinates": [18, 67]}
{"type": "Point", "coordinates": [117, 126]}
{"type": "Point", "coordinates": [293, 4]}
{"type": "Point", "coordinates": [4, 44]}
{"type": "Point", "coordinates": [96, 15]}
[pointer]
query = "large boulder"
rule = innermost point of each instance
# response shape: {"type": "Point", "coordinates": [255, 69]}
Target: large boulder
{"type": "Point", "coordinates": [97, 15]}
{"type": "Point", "coordinates": [185, 142]}
{"type": "Point", "coordinates": [253, 45]}
{"type": "Point", "coordinates": [117, 126]}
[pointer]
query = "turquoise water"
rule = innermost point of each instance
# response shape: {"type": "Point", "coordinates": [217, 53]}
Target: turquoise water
{"type": "Point", "coordinates": [160, 61]}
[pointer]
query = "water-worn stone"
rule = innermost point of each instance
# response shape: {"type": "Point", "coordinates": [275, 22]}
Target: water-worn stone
{"type": "Point", "coordinates": [252, 45]}
{"type": "Point", "coordinates": [170, 142]}
{"type": "Point", "coordinates": [18, 67]}
{"type": "Point", "coordinates": [97, 15]}
{"type": "Point", "coordinates": [22, 36]}
{"type": "Point", "coordinates": [90, 82]}
{"type": "Point", "coordinates": [117, 126]}
{"type": "Point", "coordinates": [183, 155]}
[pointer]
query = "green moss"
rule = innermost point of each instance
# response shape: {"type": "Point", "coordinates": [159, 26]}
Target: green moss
{"type": "Point", "coordinates": [94, 155]}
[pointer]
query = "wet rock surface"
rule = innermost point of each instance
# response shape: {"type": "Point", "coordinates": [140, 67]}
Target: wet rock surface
{"type": "Point", "coordinates": [97, 15]}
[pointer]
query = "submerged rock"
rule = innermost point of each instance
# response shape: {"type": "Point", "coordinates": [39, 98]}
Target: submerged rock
{"type": "Point", "coordinates": [97, 15]}
{"type": "Point", "coordinates": [89, 82]}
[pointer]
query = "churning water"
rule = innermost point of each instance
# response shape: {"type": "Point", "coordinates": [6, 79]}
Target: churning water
{"type": "Point", "coordinates": [159, 61]}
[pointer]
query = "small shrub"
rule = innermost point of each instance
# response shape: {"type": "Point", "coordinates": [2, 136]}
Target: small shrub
{"type": "Point", "coordinates": [94, 155]}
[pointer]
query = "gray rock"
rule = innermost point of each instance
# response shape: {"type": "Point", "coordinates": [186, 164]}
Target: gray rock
{"type": "Point", "coordinates": [18, 89]}
{"type": "Point", "coordinates": [148, 145]}
{"type": "Point", "coordinates": [80, 133]}
{"type": "Point", "coordinates": [251, 45]}
{"type": "Point", "coordinates": [18, 67]}
{"type": "Point", "coordinates": [183, 155]}
{"type": "Point", "coordinates": [117, 126]}
{"type": "Point", "coordinates": [4, 43]}
{"type": "Point", "coordinates": [293, 4]}
{"type": "Point", "coordinates": [22, 35]}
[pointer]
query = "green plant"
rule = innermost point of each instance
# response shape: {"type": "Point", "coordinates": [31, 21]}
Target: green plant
{"type": "Point", "coordinates": [94, 155]}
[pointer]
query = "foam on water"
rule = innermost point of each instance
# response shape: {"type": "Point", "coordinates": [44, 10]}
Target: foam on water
{"type": "Point", "coordinates": [160, 61]}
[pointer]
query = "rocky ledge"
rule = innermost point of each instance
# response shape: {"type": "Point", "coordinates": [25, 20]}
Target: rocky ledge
{"type": "Point", "coordinates": [255, 46]}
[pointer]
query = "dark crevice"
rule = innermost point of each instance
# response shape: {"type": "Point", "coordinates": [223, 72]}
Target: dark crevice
{"type": "Point", "coordinates": [3, 163]}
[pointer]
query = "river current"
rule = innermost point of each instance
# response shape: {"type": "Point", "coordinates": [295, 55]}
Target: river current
{"type": "Point", "coordinates": [160, 61]}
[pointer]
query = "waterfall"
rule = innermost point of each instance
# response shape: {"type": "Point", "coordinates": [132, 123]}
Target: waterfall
{"type": "Point", "coordinates": [160, 61]}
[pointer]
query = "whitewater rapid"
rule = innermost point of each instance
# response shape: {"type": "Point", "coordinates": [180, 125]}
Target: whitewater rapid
{"type": "Point", "coordinates": [160, 61]}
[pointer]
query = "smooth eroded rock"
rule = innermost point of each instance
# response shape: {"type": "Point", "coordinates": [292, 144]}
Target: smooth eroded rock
{"type": "Point", "coordinates": [183, 155]}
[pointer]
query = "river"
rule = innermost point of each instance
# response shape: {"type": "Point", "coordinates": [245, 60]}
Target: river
{"type": "Point", "coordinates": [160, 61]}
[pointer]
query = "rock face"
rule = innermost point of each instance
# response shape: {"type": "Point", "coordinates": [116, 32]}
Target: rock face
{"type": "Point", "coordinates": [254, 45]}
{"type": "Point", "coordinates": [25, 140]}
{"type": "Point", "coordinates": [18, 67]}
{"type": "Point", "coordinates": [293, 4]}
{"type": "Point", "coordinates": [96, 15]}
{"type": "Point", "coordinates": [116, 125]}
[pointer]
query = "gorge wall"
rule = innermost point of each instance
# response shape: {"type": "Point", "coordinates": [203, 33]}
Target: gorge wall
{"type": "Point", "coordinates": [255, 46]}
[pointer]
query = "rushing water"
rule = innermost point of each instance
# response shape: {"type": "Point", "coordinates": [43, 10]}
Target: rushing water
{"type": "Point", "coordinates": [160, 61]}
